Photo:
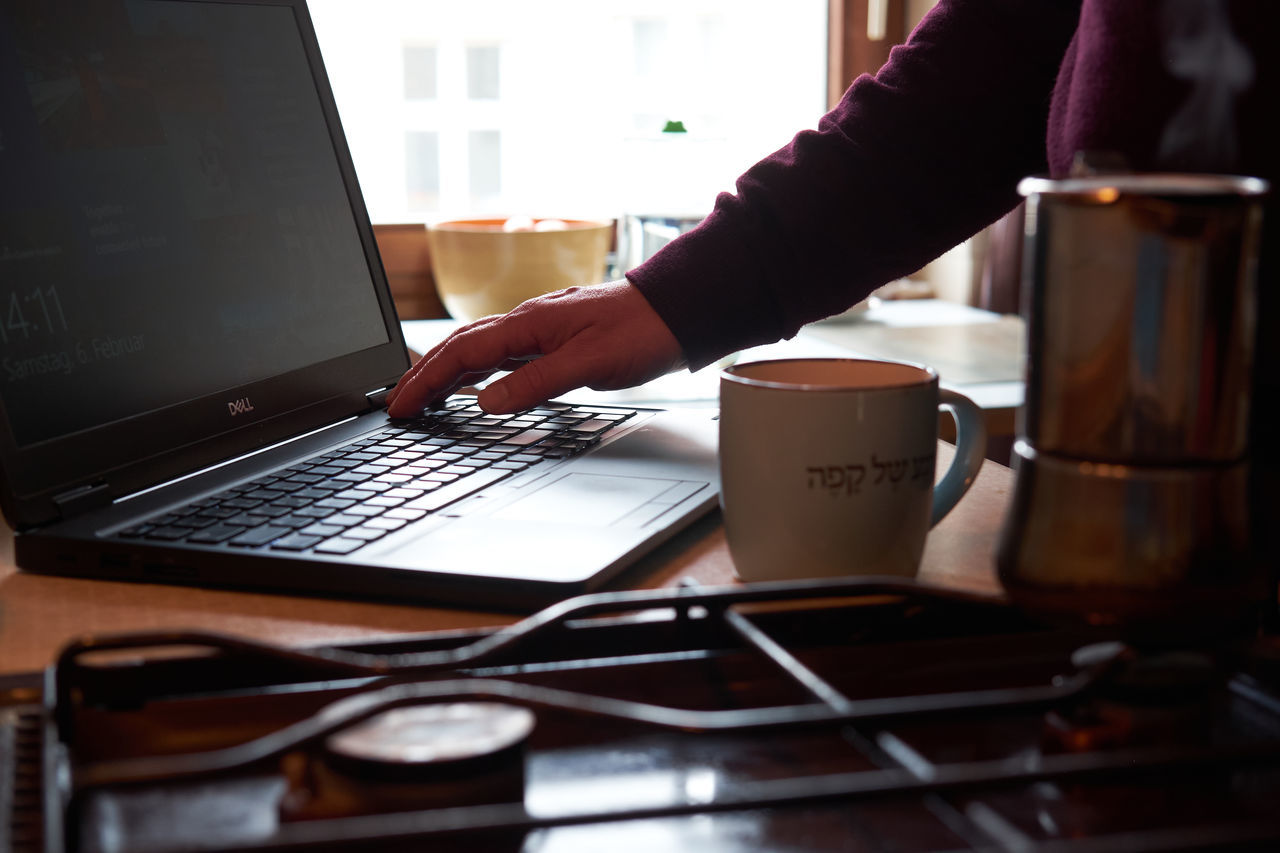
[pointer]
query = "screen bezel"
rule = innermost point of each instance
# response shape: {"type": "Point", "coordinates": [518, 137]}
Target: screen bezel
{"type": "Point", "coordinates": [122, 456]}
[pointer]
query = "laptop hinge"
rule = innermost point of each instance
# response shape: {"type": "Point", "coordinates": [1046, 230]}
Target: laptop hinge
{"type": "Point", "coordinates": [82, 499]}
{"type": "Point", "coordinates": [378, 398]}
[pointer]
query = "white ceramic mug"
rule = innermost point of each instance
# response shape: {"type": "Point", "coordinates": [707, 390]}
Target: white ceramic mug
{"type": "Point", "coordinates": [827, 465]}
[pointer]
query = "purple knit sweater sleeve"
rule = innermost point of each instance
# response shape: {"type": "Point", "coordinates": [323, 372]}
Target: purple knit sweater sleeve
{"type": "Point", "coordinates": [908, 164]}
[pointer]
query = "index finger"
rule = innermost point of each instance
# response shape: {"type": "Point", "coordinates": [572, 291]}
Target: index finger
{"type": "Point", "coordinates": [471, 353]}
{"type": "Point", "coordinates": [422, 361]}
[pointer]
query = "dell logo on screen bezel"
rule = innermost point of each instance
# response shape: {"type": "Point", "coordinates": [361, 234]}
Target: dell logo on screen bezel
{"type": "Point", "coordinates": [239, 407]}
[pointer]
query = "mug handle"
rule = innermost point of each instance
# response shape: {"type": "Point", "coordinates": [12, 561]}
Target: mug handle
{"type": "Point", "coordinates": [971, 446]}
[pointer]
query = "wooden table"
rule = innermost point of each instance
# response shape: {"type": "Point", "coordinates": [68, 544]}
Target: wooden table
{"type": "Point", "coordinates": [38, 614]}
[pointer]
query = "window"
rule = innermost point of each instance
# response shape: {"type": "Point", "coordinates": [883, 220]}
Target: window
{"type": "Point", "coordinates": [555, 108]}
{"type": "Point", "coordinates": [482, 72]}
{"type": "Point", "coordinates": [419, 73]}
{"type": "Point", "coordinates": [649, 38]}
{"type": "Point", "coordinates": [484, 164]}
{"type": "Point", "coordinates": [422, 170]}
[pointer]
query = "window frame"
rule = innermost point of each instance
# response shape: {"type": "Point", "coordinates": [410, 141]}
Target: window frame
{"type": "Point", "coordinates": [850, 50]}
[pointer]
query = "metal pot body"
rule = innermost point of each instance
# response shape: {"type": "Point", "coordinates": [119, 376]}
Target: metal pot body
{"type": "Point", "coordinates": [1141, 317]}
{"type": "Point", "coordinates": [1130, 504]}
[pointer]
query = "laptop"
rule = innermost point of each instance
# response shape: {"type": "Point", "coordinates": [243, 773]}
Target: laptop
{"type": "Point", "coordinates": [198, 336]}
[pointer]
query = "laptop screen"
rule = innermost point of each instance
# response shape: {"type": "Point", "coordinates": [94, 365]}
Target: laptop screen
{"type": "Point", "coordinates": [174, 220]}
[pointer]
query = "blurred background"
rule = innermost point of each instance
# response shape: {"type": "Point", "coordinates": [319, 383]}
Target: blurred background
{"type": "Point", "coordinates": [557, 108]}
{"type": "Point", "coordinates": [498, 107]}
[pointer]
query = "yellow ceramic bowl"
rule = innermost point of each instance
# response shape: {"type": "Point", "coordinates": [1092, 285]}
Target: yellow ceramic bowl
{"type": "Point", "coordinates": [482, 269]}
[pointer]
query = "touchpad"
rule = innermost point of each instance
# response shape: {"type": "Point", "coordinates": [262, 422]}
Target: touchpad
{"type": "Point", "coordinates": [592, 499]}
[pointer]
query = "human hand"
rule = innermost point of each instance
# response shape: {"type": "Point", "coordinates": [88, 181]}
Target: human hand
{"type": "Point", "coordinates": [604, 336]}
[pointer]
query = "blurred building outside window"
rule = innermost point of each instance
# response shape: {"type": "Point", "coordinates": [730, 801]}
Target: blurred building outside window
{"type": "Point", "coordinates": [419, 72]}
{"type": "Point", "coordinates": [456, 108]}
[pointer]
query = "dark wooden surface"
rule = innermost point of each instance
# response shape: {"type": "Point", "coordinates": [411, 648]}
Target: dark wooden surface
{"type": "Point", "coordinates": [38, 614]}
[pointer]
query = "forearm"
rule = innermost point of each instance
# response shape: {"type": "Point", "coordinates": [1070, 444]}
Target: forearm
{"type": "Point", "coordinates": [911, 162]}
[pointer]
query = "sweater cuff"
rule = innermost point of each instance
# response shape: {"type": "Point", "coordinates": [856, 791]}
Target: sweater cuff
{"type": "Point", "coordinates": [712, 311]}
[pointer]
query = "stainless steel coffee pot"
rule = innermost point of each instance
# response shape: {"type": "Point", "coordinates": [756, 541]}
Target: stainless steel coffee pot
{"type": "Point", "coordinates": [1130, 502]}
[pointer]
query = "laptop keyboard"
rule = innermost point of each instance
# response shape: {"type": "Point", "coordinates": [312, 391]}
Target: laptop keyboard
{"type": "Point", "coordinates": [342, 500]}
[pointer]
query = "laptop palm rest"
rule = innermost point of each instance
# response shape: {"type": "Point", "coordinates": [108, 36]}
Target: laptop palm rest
{"type": "Point", "coordinates": [593, 500]}
{"type": "Point", "coordinates": [564, 526]}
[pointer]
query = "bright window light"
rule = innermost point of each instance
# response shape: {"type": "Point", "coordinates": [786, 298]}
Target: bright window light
{"type": "Point", "coordinates": [556, 108]}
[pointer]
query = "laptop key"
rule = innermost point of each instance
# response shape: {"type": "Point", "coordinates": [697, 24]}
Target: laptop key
{"type": "Point", "coordinates": [368, 534]}
{"type": "Point", "coordinates": [293, 521]}
{"type": "Point", "coordinates": [439, 478]}
{"type": "Point", "coordinates": [246, 519]}
{"type": "Point", "coordinates": [529, 436]}
{"type": "Point", "coordinates": [264, 494]}
{"type": "Point", "coordinates": [384, 502]}
{"type": "Point", "coordinates": [356, 494]}
{"type": "Point", "coordinates": [342, 520]}
{"type": "Point", "coordinates": [422, 438]}
{"type": "Point", "coordinates": [313, 493]}
{"type": "Point", "coordinates": [491, 435]}
{"type": "Point", "coordinates": [415, 470]}
{"type": "Point", "coordinates": [608, 414]}
{"type": "Point", "coordinates": [214, 535]}
{"type": "Point", "coordinates": [296, 542]}
{"type": "Point", "coordinates": [304, 479]}
{"type": "Point", "coordinates": [406, 514]}
{"type": "Point", "coordinates": [340, 545]}
{"type": "Point", "coordinates": [382, 448]}
{"type": "Point", "coordinates": [403, 493]}
{"type": "Point", "coordinates": [592, 427]}
{"type": "Point", "coordinates": [366, 510]}
{"type": "Point", "coordinates": [271, 510]}
{"type": "Point", "coordinates": [385, 523]}
{"type": "Point", "coordinates": [168, 533]}
{"type": "Point", "coordinates": [322, 530]}
{"type": "Point", "coordinates": [458, 489]}
{"type": "Point", "coordinates": [259, 536]}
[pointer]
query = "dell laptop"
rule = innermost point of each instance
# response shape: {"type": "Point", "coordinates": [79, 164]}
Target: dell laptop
{"type": "Point", "coordinates": [197, 337]}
